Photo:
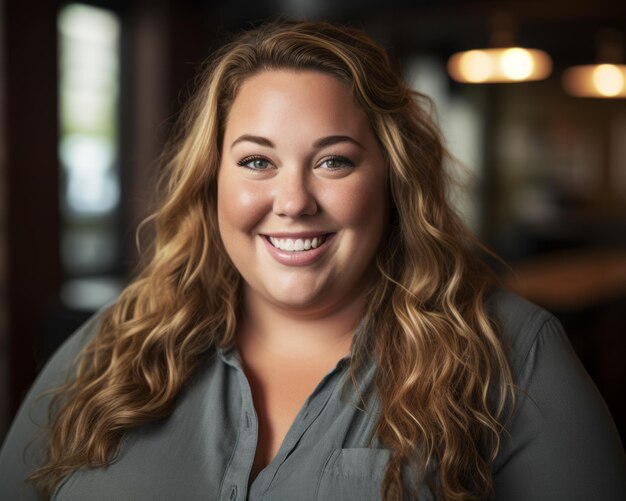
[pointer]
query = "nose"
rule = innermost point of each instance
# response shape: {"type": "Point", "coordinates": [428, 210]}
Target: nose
{"type": "Point", "coordinates": [293, 196]}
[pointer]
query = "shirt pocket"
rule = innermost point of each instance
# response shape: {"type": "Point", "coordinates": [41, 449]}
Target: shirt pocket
{"type": "Point", "coordinates": [353, 474]}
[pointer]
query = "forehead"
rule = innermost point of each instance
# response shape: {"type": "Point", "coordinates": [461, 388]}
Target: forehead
{"type": "Point", "coordinates": [301, 99]}
{"type": "Point", "coordinates": [291, 81]}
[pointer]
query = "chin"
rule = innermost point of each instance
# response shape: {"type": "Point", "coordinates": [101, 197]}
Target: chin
{"type": "Point", "coordinates": [295, 301]}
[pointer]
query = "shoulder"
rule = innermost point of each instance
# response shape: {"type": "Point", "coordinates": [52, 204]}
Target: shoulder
{"type": "Point", "coordinates": [519, 324]}
{"type": "Point", "coordinates": [24, 445]}
{"type": "Point", "coordinates": [560, 442]}
{"type": "Point", "coordinates": [509, 309]}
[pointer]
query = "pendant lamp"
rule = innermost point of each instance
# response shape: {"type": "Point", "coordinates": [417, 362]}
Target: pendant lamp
{"type": "Point", "coordinates": [607, 79]}
{"type": "Point", "coordinates": [502, 62]}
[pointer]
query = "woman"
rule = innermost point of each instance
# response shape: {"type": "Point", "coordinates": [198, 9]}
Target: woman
{"type": "Point", "coordinates": [313, 323]}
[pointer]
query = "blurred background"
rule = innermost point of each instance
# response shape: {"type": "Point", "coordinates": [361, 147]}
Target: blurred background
{"type": "Point", "coordinates": [89, 93]}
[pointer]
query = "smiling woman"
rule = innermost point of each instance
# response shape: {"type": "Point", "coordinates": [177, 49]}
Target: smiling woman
{"type": "Point", "coordinates": [314, 322]}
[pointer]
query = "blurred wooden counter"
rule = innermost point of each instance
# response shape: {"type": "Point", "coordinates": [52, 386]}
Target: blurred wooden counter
{"type": "Point", "coordinates": [571, 281]}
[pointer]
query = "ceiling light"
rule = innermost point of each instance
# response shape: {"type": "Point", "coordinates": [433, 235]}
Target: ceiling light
{"type": "Point", "coordinates": [502, 61]}
{"type": "Point", "coordinates": [507, 64]}
{"type": "Point", "coordinates": [605, 80]}
{"type": "Point", "coordinates": [596, 80]}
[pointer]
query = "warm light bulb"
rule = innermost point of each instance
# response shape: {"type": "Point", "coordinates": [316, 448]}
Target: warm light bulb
{"type": "Point", "coordinates": [511, 64]}
{"type": "Point", "coordinates": [517, 64]}
{"type": "Point", "coordinates": [608, 80]}
{"type": "Point", "coordinates": [475, 66]}
{"type": "Point", "coordinates": [596, 80]}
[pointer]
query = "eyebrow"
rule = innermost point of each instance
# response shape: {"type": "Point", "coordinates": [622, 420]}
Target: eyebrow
{"type": "Point", "coordinates": [330, 140]}
{"type": "Point", "coordinates": [320, 143]}
{"type": "Point", "coordinates": [262, 141]}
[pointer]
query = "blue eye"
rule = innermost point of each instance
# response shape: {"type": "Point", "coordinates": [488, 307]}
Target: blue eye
{"type": "Point", "coordinates": [254, 163]}
{"type": "Point", "coordinates": [336, 163]}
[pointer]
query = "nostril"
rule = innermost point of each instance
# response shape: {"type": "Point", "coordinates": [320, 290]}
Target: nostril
{"type": "Point", "coordinates": [295, 204]}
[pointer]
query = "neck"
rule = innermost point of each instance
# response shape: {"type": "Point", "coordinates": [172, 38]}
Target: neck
{"type": "Point", "coordinates": [294, 335]}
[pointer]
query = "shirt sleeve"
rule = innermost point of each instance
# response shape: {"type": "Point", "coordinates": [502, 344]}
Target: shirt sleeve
{"type": "Point", "coordinates": [561, 443]}
{"type": "Point", "coordinates": [24, 446]}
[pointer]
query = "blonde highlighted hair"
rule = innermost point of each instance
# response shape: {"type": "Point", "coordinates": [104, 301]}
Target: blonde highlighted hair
{"type": "Point", "coordinates": [442, 377]}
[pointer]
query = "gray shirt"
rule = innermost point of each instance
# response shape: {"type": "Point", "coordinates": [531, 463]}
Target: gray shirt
{"type": "Point", "coordinates": [561, 442]}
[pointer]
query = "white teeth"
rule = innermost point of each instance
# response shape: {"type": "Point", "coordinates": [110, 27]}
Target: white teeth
{"type": "Point", "coordinates": [297, 245]}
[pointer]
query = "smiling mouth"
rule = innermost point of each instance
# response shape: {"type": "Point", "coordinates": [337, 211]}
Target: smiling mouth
{"type": "Point", "coordinates": [297, 244]}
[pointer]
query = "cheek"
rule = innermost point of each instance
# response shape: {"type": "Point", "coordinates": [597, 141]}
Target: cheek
{"type": "Point", "coordinates": [240, 205]}
{"type": "Point", "coordinates": [358, 204]}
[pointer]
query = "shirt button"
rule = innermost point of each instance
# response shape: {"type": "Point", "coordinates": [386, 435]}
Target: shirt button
{"type": "Point", "coordinates": [233, 493]}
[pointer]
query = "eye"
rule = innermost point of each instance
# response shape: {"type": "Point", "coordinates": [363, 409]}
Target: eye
{"type": "Point", "coordinates": [336, 163]}
{"type": "Point", "coordinates": [255, 163]}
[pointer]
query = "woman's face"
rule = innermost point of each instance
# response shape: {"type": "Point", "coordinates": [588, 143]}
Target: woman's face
{"type": "Point", "coordinates": [302, 194]}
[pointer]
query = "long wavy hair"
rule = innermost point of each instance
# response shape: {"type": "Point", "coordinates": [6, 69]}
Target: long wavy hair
{"type": "Point", "coordinates": [442, 377]}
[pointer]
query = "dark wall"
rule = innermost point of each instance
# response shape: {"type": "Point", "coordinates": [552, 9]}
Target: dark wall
{"type": "Point", "coordinates": [34, 273]}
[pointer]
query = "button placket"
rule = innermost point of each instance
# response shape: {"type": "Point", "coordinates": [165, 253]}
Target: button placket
{"type": "Point", "coordinates": [235, 480]}
{"type": "Point", "coordinates": [312, 408]}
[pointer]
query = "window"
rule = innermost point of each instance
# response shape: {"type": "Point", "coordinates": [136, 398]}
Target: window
{"type": "Point", "coordinates": [89, 152]}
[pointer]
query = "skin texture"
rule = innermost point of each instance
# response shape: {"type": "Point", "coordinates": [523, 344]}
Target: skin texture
{"type": "Point", "coordinates": [299, 158]}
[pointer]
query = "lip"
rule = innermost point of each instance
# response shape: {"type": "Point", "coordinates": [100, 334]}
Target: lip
{"type": "Point", "coordinates": [300, 258]}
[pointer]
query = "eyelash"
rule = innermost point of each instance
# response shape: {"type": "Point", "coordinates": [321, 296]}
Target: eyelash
{"type": "Point", "coordinates": [245, 161]}
{"type": "Point", "coordinates": [346, 162]}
